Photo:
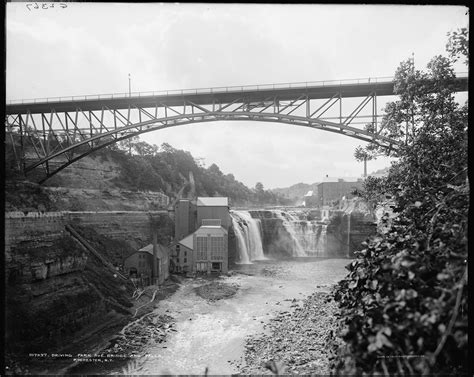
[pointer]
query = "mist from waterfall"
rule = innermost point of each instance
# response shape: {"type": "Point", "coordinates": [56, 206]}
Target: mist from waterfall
{"type": "Point", "coordinates": [288, 221]}
{"type": "Point", "coordinates": [248, 232]}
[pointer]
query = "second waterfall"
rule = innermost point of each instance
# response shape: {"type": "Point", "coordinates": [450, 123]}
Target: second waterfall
{"type": "Point", "coordinates": [248, 232]}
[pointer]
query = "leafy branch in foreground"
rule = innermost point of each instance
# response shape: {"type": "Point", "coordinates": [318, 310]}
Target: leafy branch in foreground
{"type": "Point", "coordinates": [404, 302]}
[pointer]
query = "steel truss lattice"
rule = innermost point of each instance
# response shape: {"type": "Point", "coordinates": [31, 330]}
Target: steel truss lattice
{"type": "Point", "coordinates": [64, 131]}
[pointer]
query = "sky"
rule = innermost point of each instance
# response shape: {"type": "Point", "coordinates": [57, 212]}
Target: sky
{"type": "Point", "coordinates": [90, 48]}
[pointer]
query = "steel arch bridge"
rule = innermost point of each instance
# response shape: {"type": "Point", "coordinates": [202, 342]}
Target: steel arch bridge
{"type": "Point", "coordinates": [49, 134]}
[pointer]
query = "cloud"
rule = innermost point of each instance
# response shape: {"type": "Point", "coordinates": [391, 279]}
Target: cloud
{"type": "Point", "coordinates": [90, 48]}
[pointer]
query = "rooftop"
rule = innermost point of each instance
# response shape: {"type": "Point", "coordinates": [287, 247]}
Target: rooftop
{"type": "Point", "coordinates": [343, 179]}
{"type": "Point", "coordinates": [213, 201]}
{"type": "Point", "coordinates": [210, 229]}
{"type": "Point", "coordinates": [161, 250]}
{"type": "Point", "coordinates": [187, 241]}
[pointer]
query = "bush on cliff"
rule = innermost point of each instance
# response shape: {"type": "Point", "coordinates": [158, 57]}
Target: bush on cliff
{"type": "Point", "coordinates": [404, 301]}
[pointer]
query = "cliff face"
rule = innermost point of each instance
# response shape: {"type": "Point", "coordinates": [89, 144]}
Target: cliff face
{"type": "Point", "coordinates": [57, 292]}
{"type": "Point", "coordinates": [59, 295]}
{"type": "Point", "coordinates": [361, 222]}
{"type": "Point", "coordinates": [31, 197]}
{"type": "Point", "coordinates": [131, 227]}
{"type": "Point", "coordinates": [96, 171]}
{"type": "Point", "coordinates": [347, 230]}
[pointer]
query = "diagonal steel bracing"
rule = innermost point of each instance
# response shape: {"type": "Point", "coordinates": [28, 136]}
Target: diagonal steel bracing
{"type": "Point", "coordinates": [48, 136]}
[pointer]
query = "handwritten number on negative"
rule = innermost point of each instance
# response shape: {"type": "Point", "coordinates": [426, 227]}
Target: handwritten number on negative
{"type": "Point", "coordinates": [44, 6]}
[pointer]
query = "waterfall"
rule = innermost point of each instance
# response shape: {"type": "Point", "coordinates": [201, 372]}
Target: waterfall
{"type": "Point", "coordinates": [249, 238]}
{"type": "Point", "coordinates": [321, 245]}
{"type": "Point", "coordinates": [288, 221]}
{"type": "Point", "coordinates": [309, 237]}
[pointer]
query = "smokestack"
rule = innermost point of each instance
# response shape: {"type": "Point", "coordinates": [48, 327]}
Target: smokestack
{"type": "Point", "coordinates": [155, 256]}
{"type": "Point", "coordinates": [192, 191]}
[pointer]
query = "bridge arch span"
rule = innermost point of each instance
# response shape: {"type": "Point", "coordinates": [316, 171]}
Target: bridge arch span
{"type": "Point", "coordinates": [104, 139]}
{"type": "Point", "coordinates": [65, 126]}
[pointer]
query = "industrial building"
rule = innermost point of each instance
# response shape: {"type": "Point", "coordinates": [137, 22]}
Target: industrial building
{"type": "Point", "coordinates": [331, 190]}
{"type": "Point", "coordinates": [201, 235]}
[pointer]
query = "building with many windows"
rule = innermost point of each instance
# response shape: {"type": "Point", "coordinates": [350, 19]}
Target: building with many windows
{"type": "Point", "coordinates": [211, 251]}
{"type": "Point", "coordinates": [201, 237]}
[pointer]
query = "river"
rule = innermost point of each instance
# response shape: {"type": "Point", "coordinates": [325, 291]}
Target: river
{"type": "Point", "coordinates": [212, 334]}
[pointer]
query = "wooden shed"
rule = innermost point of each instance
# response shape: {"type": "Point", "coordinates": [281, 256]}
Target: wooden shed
{"type": "Point", "coordinates": [140, 263]}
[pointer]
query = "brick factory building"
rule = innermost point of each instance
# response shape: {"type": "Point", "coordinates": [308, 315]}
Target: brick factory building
{"type": "Point", "coordinates": [331, 190]}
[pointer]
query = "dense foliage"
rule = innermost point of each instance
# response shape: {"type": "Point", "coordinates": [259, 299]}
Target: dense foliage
{"type": "Point", "coordinates": [177, 173]}
{"type": "Point", "coordinates": [404, 302]}
{"type": "Point", "coordinates": [172, 171]}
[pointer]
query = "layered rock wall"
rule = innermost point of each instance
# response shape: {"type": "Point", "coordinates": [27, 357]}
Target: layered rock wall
{"type": "Point", "coordinates": [56, 289]}
{"type": "Point", "coordinates": [134, 227]}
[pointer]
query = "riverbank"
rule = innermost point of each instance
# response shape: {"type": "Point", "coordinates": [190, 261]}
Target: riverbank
{"type": "Point", "coordinates": [297, 339]}
{"type": "Point", "coordinates": [111, 348]}
{"type": "Point", "coordinates": [213, 334]}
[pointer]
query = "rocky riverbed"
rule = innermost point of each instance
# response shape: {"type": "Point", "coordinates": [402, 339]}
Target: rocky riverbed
{"type": "Point", "coordinates": [298, 339]}
{"type": "Point", "coordinates": [280, 310]}
{"type": "Point", "coordinates": [216, 291]}
{"type": "Point", "coordinates": [269, 314]}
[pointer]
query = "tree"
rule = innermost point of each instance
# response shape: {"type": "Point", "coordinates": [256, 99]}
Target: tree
{"type": "Point", "coordinates": [214, 169]}
{"type": "Point", "coordinates": [458, 45]}
{"type": "Point", "coordinates": [362, 154]}
{"type": "Point", "coordinates": [406, 292]}
{"type": "Point", "coordinates": [128, 143]}
{"type": "Point", "coordinates": [142, 148]}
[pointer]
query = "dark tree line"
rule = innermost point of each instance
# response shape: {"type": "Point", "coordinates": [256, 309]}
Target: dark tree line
{"type": "Point", "coordinates": [167, 169]}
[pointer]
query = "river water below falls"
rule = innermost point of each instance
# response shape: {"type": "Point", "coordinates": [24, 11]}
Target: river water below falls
{"type": "Point", "coordinates": [212, 334]}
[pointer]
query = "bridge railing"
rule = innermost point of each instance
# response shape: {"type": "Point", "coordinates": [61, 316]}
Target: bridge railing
{"type": "Point", "coordinates": [222, 89]}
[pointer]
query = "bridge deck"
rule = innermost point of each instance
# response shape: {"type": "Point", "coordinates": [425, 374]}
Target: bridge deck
{"type": "Point", "coordinates": [284, 92]}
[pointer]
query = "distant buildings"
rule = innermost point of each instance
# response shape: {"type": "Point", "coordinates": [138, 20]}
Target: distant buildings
{"type": "Point", "coordinates": [310, 199]}
{"type": "Point", "coordinates": [331, 191]}
{"type": "Point", "coordinates": [201, 242]}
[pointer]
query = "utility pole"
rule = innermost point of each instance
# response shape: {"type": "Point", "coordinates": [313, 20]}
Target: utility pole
{"type": "Point", "coordinates": [411, 97]}
{"type": "Point", "coordinates": [129, 86]}
{"type": "Point", "coordinates": [155, 273]}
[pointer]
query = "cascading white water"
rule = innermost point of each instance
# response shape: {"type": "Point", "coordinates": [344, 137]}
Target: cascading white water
{"type": "Point", "coordinates": [321, 246]}
{"type": "Point", "coordinates": [309, 237]}
{"type": "Point", "coordinates": [298, 250]}
{"type": "Point", "coordinates": [241, 242]}
{"type": "Point", "coordinates": [249, 238]}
